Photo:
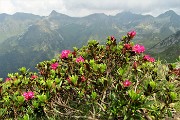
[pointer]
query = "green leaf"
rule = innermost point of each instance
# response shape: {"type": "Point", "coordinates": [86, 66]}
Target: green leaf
{"type": "Point", "coordinates": [169, 113]}
{"type": "Point", "coordinates": [81, 70]}
{"type": "Point", "coordinates": [121, 71]}
{"type": "Point", "coordinates": [92, 43]}
{"type": "Point", "coordinates": [42, 98]}
{"type": "Point", "coordinates": [95, 67]}
{"type": "Point", "coordinates": [74, 79]}
{"type": "Point", "coordinates": [80, 93]}
{"type": "Point", "coordinates": [103, 67]}
{"type": "Point", "coordinates": [16, 82]}
{"type": "Point", "coordinates": [93, 95]}
{"type": "Point", "coordinates": [133, 95]}
{"type": "Point", "coordinates": [173, 95]}
{"type": "Point", "coordinates": [152, 84]}
{"type": "Point", "coordinates": [49, 83]}
{"type": "Point", "coordinates": [147, 104]}
{"type": "Point", "coordinates": [91, 62]}
{"type": "Point", "coordinates": [75, 48]}
{"type": "Point", "coordinates": [23, 70]}
{"type": "Point", "coordinates": [26, 117]}
{"type": "Point", "coordinates": [57, 80]}
{"type": "Point", "coordinates": [42, 82]}
{"type": "Point", "coordinates": [20, 99]}
{"type": "Point", "coordinates": [35, 104]}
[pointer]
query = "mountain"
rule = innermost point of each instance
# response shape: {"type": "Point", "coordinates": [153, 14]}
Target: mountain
{"type": "Point", "coordinates": [12, 25]}
{"type": "Point", "coordinates": [27, 39]}
{"type": "Point", "coordinates": [168, 49]}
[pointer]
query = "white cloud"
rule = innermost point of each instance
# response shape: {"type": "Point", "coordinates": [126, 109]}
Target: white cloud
{"type": "Point", "coordinates": [41, 7]}
{"type": "Point", "coordinates": [85, 7]}
{"type": "Point", "coordinates": [6, 6]}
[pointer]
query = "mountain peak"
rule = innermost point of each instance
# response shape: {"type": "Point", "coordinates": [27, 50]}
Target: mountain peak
{"type": "Point", "coordinates": [53, 13]}
{"type": "Point", "coordinates": [168, 13]}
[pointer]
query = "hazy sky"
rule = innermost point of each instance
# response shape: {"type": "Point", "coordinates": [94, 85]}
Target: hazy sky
{"type": "Point", "coordinates": [86, 7]}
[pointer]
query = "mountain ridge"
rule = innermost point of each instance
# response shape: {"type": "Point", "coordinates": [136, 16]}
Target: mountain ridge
{"type": "Point", "coordinates": [41, 38]}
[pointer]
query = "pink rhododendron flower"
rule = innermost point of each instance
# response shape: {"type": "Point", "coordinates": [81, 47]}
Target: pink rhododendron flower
{"type": "Point", "coordinates": [8, 79]}
{"type": "Point", "coordinates": [152, 59]}
{"type": "Point", "coordinates": [34, 77]}
{"type": "Point", "coordinates": [69, 80]}
{"type": "Point", "coordinates": [148, 58]}
{"type": "Point", "coordinates": [138, 48]}
{"type": "Point", "coordinates": [83, 78]}
{"type": "Point", "coordinates": [80, 59]}
{"type": "Point", "coordinates": [127, 83]}
{"type": "Point", "coordinates": [127, 46]}
{"type": "Point", "coordinates": [65, 54]}
{"type": "Point", "coordinates": [54, 66]}
{"type": "Point", "coordinates": [28, 95]}
{"type": "Point", "coordinates": [112, 38]}
{"type": "Point", "coordinates": [131, 34]}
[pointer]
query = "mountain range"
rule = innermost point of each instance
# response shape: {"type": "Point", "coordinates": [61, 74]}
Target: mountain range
{"type": "Point", "coordinates": [26, 39]}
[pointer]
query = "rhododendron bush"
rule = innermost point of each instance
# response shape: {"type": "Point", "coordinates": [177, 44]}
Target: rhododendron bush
{"type": "Point", "coordinates": [113, 81]}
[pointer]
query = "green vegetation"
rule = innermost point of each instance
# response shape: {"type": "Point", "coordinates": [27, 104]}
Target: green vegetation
{"type": "Point", "coordinates": [112, 81]}
{"type": "Point", "coordinates": [27, 39]}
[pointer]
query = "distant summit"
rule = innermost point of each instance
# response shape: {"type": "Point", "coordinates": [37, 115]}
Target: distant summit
{"type": "Point", "coordinates": [169, 13]}
{"type": "Point", "coordinates": [56, 14]}
{"type": "Point", "coordinates": [53, 13]}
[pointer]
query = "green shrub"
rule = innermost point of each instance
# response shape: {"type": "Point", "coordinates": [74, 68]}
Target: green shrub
{"type": "Point", "coordinates": [112, 81]}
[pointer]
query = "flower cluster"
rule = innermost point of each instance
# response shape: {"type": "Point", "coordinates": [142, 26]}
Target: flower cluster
{"type": "Point", "coordinates": [69, 80]}
{"type": "Point", "coordinates": [54, 66]}
{"type": "Point", "coordinates": [131, 34]}
{"type": "Point", "coordinates": [34, 77]}
{"type": "Point", "coordinates": [8, 79]}
{"type": "Point", "coordinates": [80, 59]}
{"type": "Point", "coordinates": [113, 38]}
{"type": "Point", "coordinates": [127, 83]}
{"type": "Point", "coordinates": [127, 46]}
{"type": "Point", "coordinates": [148, 58]}
{"type": "Point", "coordinates": [64, 54]}
{"type": "Point", "coordinates": [138, 48]}
{"type": "Point", "coordinates": [28, 95]}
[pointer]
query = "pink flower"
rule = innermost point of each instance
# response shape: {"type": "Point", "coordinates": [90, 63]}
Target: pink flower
{"type": "Point", "coordinates": [127, 83]}
{"type": "Point", "coordinates": [28, 95]}
{"type": "Point", "coordinates": [112, 38]}
{"type": "Point", "coordinates": [65, 54]}
{"type": "Point", "coordinates": [8, 79]}
{"type": "Point", "coordinates": [34, 77]}
{"type": "Point", "coordinates": [54, 66]}
{"type": "Point", "coordinates": [148, 58]}
{"type": "Point", "coordinates": [152, 59]}
{"type": "Point", "coordinates": [131, 34]}
{"type": "Point", "coordinates": [69, 80]}
{"type": "Point", "coordinates": [83, 78]}
{"type": "Point", "coordinates": [138, 48]}
{"type": "Point", "coordinates": [127, 46]}
{"type": "Point", "coordinates": [80, 59]}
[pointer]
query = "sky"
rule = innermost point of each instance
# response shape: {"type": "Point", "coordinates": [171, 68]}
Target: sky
{"type": "Point", "coordinates": [79, 8]}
